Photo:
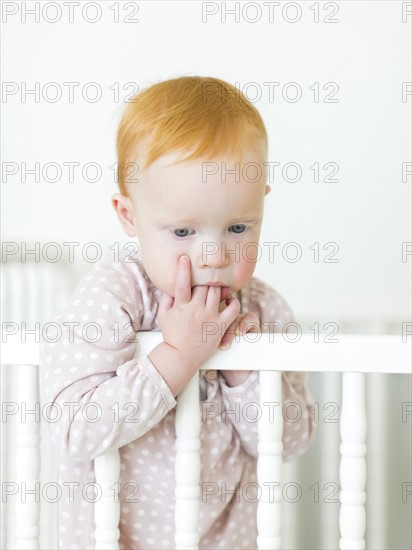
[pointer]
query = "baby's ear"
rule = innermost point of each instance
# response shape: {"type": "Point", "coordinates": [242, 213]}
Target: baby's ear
{"type": "Point", "coordinates": [124, 210]}
{"type": "Point", "coordinates": [267, 190]}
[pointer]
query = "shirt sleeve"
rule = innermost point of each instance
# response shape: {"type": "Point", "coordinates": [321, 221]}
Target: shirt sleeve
{"type": "Point", "coordinates": [240, 405]}
{"type": "Point", "coordinates": [97, 395]}
{"type": "Point", "coordinates": [298, 424]}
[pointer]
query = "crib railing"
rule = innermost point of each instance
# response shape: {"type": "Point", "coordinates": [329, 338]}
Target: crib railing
{"type": "Point", "coordinates": [352, 355]}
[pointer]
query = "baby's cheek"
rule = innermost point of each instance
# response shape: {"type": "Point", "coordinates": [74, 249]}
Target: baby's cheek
{"type": "Point", "coordinates": [163, 277]}
{"type": "Point", "coordinates": [250, 254]}
{"type": "Point", "coordinates": [246, 265]}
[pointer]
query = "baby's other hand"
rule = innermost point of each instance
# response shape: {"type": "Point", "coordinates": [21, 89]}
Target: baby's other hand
{"type": "Point", "coordinates": [244, 323]}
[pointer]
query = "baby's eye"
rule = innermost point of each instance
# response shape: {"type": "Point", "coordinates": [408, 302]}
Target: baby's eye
{"type": "Point", "coordinates": [181, 232]}
{"type": "Point", "coordinates": [239, 228]}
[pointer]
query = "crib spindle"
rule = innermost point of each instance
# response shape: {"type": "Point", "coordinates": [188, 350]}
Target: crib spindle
{"type": "Point", "coordinates": [269, 463]}
{"type": "Point", "coordinates": [390, 355]}
{"type": "Point", "coordinates": [352, 518]}
{"type": "Point", "coordinates": [107, 507]}
{"type": "Point", "coordinates": [28, 460]}
{"type": "Point", "coordinates": [187, 466]}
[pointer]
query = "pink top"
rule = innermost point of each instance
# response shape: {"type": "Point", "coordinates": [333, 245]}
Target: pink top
{"type": "Point", "coordinates": [134, 411]}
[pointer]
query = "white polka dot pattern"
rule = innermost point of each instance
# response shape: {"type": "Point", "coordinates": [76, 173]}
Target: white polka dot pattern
{"type": "Point", "coordinates": [101, 397]}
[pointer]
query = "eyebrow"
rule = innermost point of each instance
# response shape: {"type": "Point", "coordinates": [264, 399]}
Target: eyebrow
{"type": "Point", "coordinates": [237, 220]}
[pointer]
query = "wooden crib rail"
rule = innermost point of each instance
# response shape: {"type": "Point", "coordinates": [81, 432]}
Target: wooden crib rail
{"type": "Point", "coordinates": [352, 355]}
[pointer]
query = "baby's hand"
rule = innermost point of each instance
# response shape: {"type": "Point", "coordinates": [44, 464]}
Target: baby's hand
{"type": "Point", "coordinates": [247, 322]}
{"type": "Point", "coordinates": [184, 319]}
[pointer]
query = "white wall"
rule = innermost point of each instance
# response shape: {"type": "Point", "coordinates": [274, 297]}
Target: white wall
{"type": "Point", "coordinates": [367, 213]}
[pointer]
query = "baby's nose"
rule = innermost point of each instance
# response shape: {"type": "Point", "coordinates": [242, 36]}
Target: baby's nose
{"type": "Point", "coordinates": [213, 255]}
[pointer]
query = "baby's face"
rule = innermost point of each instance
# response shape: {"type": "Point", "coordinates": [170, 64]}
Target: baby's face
{"type": "Point", "coordinates": [213, 218]}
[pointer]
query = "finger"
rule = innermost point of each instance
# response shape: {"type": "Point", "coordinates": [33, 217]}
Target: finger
{"type": "Point", "coordinates": [226, 291]}
{"type": "Point", "coordinates": [166, 302]}
{"type": "Point", "coordinates": [229, 314]}
{"type": "Point", "coordinates": [249, 323]}
{"type": "Point", "coordinates": [229, 336]}
{"type": "Point", "coordinates": [213, 297]}
{"type": "Point", "coordinates": [183, 293]}
{"type": "Point", "coordinates": [199, 293]}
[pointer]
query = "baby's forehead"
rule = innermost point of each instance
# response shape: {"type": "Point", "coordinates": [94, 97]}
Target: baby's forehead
{"type": "Point", "coordinates": [218, 169]}
{"type": "Point", "coordinates": [198, 205]}
{"type": "Point", "coordinates": [174, 177]}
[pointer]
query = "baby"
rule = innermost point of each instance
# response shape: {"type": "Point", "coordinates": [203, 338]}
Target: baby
{"type": "Point", "coordinates": [192, 184]}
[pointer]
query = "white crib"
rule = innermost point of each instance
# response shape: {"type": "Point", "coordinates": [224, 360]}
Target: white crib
{"type": "Point", "coordinates": [354, 356]}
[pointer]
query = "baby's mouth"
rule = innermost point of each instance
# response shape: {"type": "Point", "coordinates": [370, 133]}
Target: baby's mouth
{"type": "Point", "coordinates": [225, 291]}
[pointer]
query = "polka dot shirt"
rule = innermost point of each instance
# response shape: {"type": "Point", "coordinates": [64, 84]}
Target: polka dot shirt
{"type": "Point", "coordinates": [99, 397]}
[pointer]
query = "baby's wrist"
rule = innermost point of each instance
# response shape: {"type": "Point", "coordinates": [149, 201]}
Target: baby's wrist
{"type": "Point", "coordinates": [173, 365]}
